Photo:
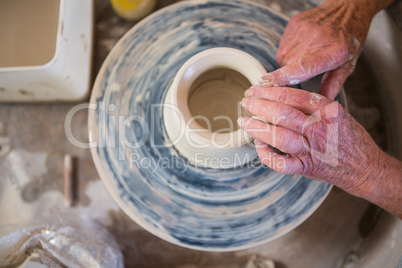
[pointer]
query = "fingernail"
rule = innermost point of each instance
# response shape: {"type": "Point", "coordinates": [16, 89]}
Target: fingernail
{"type": "Point", "coordinates": [259, 144]}
{"type": "Point", "coordinates": [248, 93]}
{"type": "Point", "coordinates": [266, 80]}
{"type": "Point", "coordinates": [244, 102]}
{"type": "Point", "coordinates": [240, 121]}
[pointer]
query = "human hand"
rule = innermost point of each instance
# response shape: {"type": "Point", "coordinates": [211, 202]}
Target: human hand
{"type": "Point", "coordinates": [321, 141]}
{"type": "Point", "coordinates": [307, 126]}
{"type": "Point", "coordinates": [327, 39]}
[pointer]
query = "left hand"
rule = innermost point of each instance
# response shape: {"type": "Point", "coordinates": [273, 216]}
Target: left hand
{"type": "Point", "coordinates": [323, 142]}
{"type": "Point", "coordinates": [321, 139]}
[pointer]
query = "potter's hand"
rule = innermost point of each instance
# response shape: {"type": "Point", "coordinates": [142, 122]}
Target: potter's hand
{"type": "Point", "coordinates": [327, 39]}
{"type": "Point", "coordinates": [321, 141]}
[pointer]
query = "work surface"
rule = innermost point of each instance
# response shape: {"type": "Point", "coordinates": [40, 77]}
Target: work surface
{"type": "Point", "coordinates": [344, 231]}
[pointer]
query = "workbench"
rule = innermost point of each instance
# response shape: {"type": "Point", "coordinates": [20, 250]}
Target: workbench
{"type": "Point", "coordinates": [344, 232]}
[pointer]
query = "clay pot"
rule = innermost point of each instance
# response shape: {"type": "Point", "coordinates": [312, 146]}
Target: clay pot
{"type": "Point", "coordinates": [202, 106]}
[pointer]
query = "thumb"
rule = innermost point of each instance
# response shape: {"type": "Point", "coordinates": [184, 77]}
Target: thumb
{"type": "Point", "coordinates": [302, 69]}
{"type": "Point", "coordinates": [333, 81]}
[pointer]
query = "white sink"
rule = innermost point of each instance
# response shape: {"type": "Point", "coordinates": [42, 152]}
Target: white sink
{"type": "Point", "coordinates": [45, 50]}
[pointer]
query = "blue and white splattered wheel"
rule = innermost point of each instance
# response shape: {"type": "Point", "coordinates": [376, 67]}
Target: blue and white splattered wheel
{"type": "Point", "coordinates": [205, 209]}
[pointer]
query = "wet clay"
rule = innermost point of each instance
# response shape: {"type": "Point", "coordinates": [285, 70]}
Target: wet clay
{"type": "Point", "coordinates": [214, 97]}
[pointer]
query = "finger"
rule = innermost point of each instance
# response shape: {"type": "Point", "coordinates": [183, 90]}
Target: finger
{"type": "Point", "coordinates": [302, 100]}
{"type": "Point", "coordinates": [333, 81]}
{"type": "Point", "coordinates": [286, 164]}
{"type": "Point", "coordinates": [303, 68]}
{"type": "Point", "coordinates": [281, 138]}
{"type": "Point", "coordinates": [276, 113]}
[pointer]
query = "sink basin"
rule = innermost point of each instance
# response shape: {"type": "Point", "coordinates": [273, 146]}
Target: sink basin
{"type": "Point", "coordinates": [45, 50]}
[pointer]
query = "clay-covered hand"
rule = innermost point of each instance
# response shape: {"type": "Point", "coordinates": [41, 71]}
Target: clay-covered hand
{"type": "Point", "coordinates": [322, 141]}
{"type": "Point", "coordinates": [327, 39]}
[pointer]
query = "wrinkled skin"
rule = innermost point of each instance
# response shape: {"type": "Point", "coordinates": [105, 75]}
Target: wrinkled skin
{"type": "Point", "coordinates": [318, 138]}
{"type": "Point", "coordinates": [327, 39]}
{"type": "Point", "coordinates": [322, 141]}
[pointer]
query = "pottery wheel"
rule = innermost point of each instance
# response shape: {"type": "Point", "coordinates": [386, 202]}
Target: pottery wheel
{"type": "Point", "coordinates": [206, 209]}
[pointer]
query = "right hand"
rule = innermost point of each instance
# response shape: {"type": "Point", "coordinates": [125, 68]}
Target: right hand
{"type": "Point", "coordinates": [327, 39]}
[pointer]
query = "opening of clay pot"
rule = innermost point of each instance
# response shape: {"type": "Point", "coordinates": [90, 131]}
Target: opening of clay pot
{"type": "Point", "coordinates": [214, 99]}
{"type": "Point", "coordinates": [202, 107]}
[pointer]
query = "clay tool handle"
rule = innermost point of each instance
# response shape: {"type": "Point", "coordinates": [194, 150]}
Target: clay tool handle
{"type": "Point", "coordinates": [68, 181]}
